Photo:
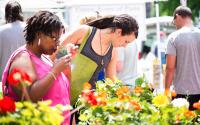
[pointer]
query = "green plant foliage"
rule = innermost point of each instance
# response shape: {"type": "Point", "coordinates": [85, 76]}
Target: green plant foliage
{"type": "Point", "coordinates": [132, 106]}
{"type": "Point", "coordinates": [168, 7]}
{"type": "Point", "coordinates": [28, 113]}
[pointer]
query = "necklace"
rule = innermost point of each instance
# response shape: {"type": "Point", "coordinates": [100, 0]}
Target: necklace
{"type": "Point", "coordinates": [103, 53]}
{"type": "Point", "coordinates": [101, 47]}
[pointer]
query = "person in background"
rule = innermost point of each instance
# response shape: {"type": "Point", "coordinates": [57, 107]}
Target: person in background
{"type": "Point", "coordinates": [183, 57]}
{"type": "Point", "coordinates": [145, 63]}
{"type": "Point", "coordinates": [11, 34]}
{"type": "Point", "coordinates": [42, 34]}
{"type": "Point", "coordinates": [127, 64]}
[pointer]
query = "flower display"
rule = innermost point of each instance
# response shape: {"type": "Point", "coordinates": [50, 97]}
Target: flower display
{"type": "Point", "coordinates": [133, 106]}
{"type": "Point", "coordinates": [111, 103]}
{"type": "Point", "coordinates": [27, 113]}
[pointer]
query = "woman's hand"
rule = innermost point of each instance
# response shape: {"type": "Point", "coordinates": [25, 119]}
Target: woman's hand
{"type": "Point", "coordinates": [72, 48]}
{"type": "Point", "coordinates": [61, 64]}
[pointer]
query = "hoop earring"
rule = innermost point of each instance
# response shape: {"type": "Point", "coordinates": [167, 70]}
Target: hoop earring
{"type": "Point", "coordinates": [39, 42]}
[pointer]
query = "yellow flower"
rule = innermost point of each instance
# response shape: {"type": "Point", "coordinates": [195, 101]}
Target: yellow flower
{"type": "Point", "coordinates": [160, 100]}
{"type": "Point", "coordinates": [138, 89]}
{"type": "Point", "coordinates": [101, 98]}
{"type": "Point", "coordinates": [87, 86]}
{"type": "Point", "coordinates": [189, 114]}
{"type": "Point", "coordinates": [170, 93]}
{"type": "Point", "coordinates": [123, 93]}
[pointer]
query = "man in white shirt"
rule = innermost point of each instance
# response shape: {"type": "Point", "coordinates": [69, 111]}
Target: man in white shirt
{"type": "Point", "coordinates": [11, 34]}
{"type": "Point", "coordinates": [127, 64]}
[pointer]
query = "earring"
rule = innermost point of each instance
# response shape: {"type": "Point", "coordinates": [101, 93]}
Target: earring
{"type": "Point", "coordinates": [39, 42]}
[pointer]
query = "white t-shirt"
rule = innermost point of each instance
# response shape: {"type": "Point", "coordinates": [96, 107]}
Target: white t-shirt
{"type": "Point", "coordinates": [11, 37]}
{"type": "Point", "coordinates": [185, 45]}
{"type": "Point", "coordinates": [128, 56]}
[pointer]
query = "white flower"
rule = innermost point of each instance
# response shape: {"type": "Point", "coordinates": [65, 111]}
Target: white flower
{"type": "Point", "coordinates": [180, 102]}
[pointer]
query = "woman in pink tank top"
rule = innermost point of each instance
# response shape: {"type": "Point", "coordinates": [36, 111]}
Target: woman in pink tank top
{"type": "Point", "coordinates": [42, 34]}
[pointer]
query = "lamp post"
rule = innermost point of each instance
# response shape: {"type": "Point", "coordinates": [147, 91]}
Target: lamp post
{"type": "Point", "coordinates": [157, 62]}
{"type": "Point", "coordinates": [157, 26]}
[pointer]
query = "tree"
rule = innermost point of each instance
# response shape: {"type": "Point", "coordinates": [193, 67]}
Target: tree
{"type": "Point", "coordinates": [168, 7]}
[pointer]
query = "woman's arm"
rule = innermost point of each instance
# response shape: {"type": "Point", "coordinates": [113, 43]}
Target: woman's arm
{"type": "Point", "coordinates": [76, 36]}
{"type": "Point", "coordinates": [120, 59]}
{"type": "Point", "coordinates": [170, 69]}
{"type": "Point", "coordinates": [111, 69]}
{"type": "Point", "coordinates": [39, 87]}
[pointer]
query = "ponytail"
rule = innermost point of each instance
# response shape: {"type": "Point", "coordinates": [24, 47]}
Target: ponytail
{"type": "Point", "coordinates": [124, 21]}
{"type": "Point", "coordinates": [102, 23]}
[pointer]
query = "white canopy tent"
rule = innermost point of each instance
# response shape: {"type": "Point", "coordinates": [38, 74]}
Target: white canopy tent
{"type": "Point", "coordinates": [35, 5]}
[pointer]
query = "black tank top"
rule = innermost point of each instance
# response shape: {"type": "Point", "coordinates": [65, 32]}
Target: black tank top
{"type": "Point", "coordinates": [89, 52]}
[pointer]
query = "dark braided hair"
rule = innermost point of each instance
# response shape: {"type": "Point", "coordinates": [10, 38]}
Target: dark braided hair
{"type": "Point", "coordinates": [42, 22]}
{"type": "Point", "coordinates": [125, 22]}
{"type": "Point", "coordinates": [13, 12]}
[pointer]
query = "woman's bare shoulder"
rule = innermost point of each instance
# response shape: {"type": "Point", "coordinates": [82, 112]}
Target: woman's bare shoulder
{"type": "Point", "coordinates": [23, 62]}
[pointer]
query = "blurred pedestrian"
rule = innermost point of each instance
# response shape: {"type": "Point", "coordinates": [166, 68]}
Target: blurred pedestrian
{"type": "Point", "coordinates": [127, 58]}
{"type": "Point", "coordinates": [145, 63]}
{"type": "Point", "coordinates": [11, 34]}
{"type": "Point", "coordinates": [183, 57]}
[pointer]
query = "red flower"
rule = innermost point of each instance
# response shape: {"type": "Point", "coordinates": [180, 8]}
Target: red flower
{"type": "Point", "coordinates": [26, 78]}
{"type": "Point", "coordinates": [90, 97]}
{"type": "Point", "coordinates": [7, 104]}
{"type": "Point", "coordinates": [17, 76]}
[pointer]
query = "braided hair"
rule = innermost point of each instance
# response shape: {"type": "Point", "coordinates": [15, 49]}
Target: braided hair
{"type": "Point", "coordinates": [124, 21]}
{"type": "Point", "coordinates": [13, 12]}
{"type": "Point", "coordinates": [42, 22]}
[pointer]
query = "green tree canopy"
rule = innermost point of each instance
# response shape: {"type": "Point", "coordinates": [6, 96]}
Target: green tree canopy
{"type": "Point", "coordinates": [168, 7]}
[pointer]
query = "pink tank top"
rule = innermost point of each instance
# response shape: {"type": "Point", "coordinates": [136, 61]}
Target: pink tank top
{"type": "Point", "coordinates": [59, 93]}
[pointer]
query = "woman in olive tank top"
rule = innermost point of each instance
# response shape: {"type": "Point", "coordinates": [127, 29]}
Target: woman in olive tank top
{"type": "Point", "coordinates": [106, 32]}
